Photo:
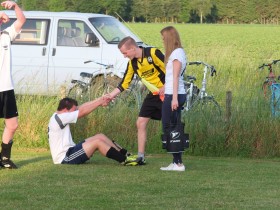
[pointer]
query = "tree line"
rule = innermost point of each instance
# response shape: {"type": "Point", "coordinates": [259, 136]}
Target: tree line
{"type": "Point", "coordinates": [182, 11]}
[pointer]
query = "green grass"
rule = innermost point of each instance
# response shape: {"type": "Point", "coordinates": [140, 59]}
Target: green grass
{"type": "Point", "coordinates": [208, 183]}
{"type": "Point", "coordinates": [235, 50]}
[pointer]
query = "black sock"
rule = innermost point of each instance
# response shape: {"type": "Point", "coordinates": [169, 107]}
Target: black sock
{"type": "Point", "coordinates": [177, 158]}
{"type": "Point", "coordinates": [6, 150]}
{"type": "Point", "coordinates": [115, 155]}
{"type": "Point", "coordinates": [123, 151]}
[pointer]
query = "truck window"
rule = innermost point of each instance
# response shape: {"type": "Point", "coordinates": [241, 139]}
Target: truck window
{"type": "Point", "coordinates": [112, 30]}
{"type": "Point", "coordinates": [72, 33]}
{"type": "Point", "coordinates": [34, 32]}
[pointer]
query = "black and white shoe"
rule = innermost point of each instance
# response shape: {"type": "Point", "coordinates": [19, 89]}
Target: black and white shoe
{"type": "Point", "coordinates": [7, 163]}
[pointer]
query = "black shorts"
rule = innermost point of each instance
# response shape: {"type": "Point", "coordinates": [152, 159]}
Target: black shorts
{"type": "Point", "coordinates": [8, 105]}
{"type": "Point", "coordinates": [151, 107]}
{"type": "Point", "coordinates": [75, 155]}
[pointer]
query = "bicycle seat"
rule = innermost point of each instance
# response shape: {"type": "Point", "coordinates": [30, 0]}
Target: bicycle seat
{"type": "Point", "coordinates": [191, 78]}
{"type": "Point", "coordinates": [85, 74]}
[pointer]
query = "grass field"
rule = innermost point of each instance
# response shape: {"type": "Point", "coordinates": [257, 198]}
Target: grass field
{"type": "Point", "coordinates": [214, 179]}
{"type": "Point", "coordinates": [236, 51]}
{"type": "Point", "coordinates": [208, 183]}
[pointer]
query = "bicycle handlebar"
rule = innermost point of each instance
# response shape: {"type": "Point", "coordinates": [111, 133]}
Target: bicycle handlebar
{"type": "Point", "coordinates": [107, 66]}
{"type": "Point", "coordinates": [269, 64]}
{"type": "Point", "coordinates": [212, 68]}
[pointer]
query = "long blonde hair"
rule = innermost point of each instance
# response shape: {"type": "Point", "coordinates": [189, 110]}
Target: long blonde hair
{"type": "Point", "coordinates": [171, 41]}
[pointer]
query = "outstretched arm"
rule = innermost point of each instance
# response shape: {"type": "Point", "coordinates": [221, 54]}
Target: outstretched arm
{"type": "Point", "coordinates": [88, 107]}
{"type": "Point", "coordinates": [20, 16]}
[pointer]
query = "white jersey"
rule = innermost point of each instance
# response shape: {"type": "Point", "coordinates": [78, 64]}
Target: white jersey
{"type": "Point", "coordinates": [177, 54]}
{"type": "Point", "coordinates": [60, 138]}
{"type": "Point", "coordinates": [8, 35]}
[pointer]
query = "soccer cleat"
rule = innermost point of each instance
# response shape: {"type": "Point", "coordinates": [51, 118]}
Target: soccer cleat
{"type": "Point", "coordinates": [131, 161]}
{"type": "Point", "coordinates": [135, 161]}
{"type": "Point", "coordinates": [173, 167]}
{"type": "Point", "coordinates": [141, 161]}
{"type": "Point", "coordinates": [7, 163]}
{"type": "Point", "coordinates": [132, 157]}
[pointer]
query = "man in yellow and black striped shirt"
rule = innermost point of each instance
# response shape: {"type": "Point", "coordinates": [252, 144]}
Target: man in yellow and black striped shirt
{"type": "Point", "coordinates": [147, 63]}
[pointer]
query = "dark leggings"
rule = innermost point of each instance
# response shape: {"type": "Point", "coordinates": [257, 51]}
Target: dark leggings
{"type": "Point", "coordinates": [168, 117]}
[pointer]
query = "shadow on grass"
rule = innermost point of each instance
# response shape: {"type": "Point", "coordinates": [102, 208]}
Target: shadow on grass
{"type": "Point", "coordinates": [25, 162]}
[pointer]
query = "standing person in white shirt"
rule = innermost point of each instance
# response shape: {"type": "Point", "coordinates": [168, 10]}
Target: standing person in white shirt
{"type": "Point", "coordinates": [64, 150]}
{"type": "Point", "coordinates": [175, 94]}
{"type": "Point", "coordinates": [8, 107]}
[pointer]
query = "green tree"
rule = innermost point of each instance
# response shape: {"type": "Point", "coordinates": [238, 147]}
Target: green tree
{"type": "Point", "coordinates": [33, 5]}
{"type": "Point", "coordinates": [172, 10]}
{"type": "Point", "coordinates": [202, 7]}
{"type": "Point", "coordinates": [184, 15]}
{"type": "Point", "coordinates": [62, 5]}
{"type": "Point", "coordinates": [141, 10]}
{"type": "Point", "coordinates": [226, 10]}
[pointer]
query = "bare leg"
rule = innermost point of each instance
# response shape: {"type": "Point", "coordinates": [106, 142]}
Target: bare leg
{"type": "Point", "coordinates": [142, 133]}
{"type": "Point", "coordinates": [11, 125]}
{"type": "Point", "coordinates": [98, 142]}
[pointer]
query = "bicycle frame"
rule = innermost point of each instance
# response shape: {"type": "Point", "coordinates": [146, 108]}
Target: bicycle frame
{"type": "Point", "coordinates": [87, 80]}
{"type": "Point", "coordinates": [189, 90]}
{"type": "Point", "coordinates": [207, 67]}
{"type": "Point", "coordinates": [275, 99]}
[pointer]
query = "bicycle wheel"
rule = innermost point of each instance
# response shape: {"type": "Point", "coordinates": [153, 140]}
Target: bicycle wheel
{"type": "Point", "coordinates": [103, 90]}
{"type": "Point", "coordinates": [134, 95]}
{"type": "Point", "coordinates": [206, 109]}
{"type": "Point", "coordinates": [78, 93]}
{"type": "Point", "coordinates": [266, 90]}
{"type": "Point", "coordinates": [191, 97]}
{"type": "Point", "coordinates": [131, 99]}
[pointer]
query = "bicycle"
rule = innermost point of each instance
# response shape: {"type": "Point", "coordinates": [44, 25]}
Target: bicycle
{"type": "Point", "coordinates": [271, 88]}
{"type": "Point", "coordinates": [270, 79]}
{"type": "Point", "coordinates": [133, 96]}
{"type": "Point", "coordinates": [198, 101]}
{"type": "Point", "coordinates": [192, 91]}
{"type": "Point", "coordinates": [89, 87]}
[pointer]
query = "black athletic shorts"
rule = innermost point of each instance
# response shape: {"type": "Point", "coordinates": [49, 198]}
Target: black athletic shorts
{"type": "Point", "coordinates": [151, 107]}
{"type": "Point", "coordinates": [75, 155]}
{"type": "Point", "coordinates": [8, 105]}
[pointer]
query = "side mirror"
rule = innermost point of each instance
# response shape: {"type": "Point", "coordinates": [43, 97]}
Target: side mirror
{"type": "Point", "coordinates": [91, 39]}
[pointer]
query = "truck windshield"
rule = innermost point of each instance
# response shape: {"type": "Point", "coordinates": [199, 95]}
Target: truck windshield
{"type": "Point", "coordinates": [112, 30]}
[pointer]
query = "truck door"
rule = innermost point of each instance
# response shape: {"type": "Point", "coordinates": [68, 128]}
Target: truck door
{"type": "Point", "coordinates": [69, 52]}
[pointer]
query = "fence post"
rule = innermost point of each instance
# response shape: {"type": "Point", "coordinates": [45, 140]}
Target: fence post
{"type": "Point", "coordinates": [228, 106]}
{"type": "Point", "coordinates": [228, 117]}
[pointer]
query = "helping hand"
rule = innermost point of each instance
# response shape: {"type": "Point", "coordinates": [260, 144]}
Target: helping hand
{"type": "Point", "coordinates": [104, 101]}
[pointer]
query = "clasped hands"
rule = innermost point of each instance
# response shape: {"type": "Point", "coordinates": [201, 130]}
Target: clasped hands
{"type": "Point", "coordinates": [106, 99]}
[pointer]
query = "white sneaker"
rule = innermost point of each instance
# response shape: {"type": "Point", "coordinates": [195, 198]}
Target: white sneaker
{"type": "Point", "coordinates": [179, 168]}
{"type": "Point", "coordinates": [168, 168]}
{"type": "Point", "coordinates": [173, 167]}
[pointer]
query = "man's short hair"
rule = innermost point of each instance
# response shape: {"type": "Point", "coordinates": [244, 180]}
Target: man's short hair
{"type": "Point", "coordinates": [67, 103]}
{"type": "Point", "coordinates": [129, 41]}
